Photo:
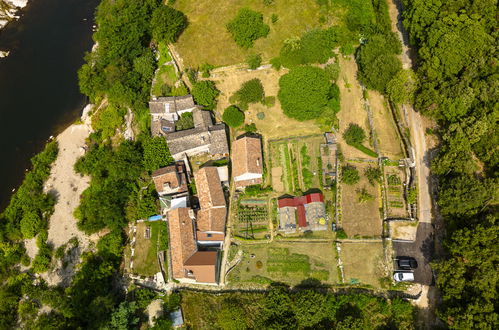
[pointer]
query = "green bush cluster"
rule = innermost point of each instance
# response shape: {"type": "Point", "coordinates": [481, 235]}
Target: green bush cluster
{"type": "Point", "coordinates": [233, 117]}
{"type": "Point", "coordinates": [247, 27]}
{"type": "Point", "coordinates": [205, 93]}
{"type": "Point", "coordinates": [349, 174]}
{"type": "Point", "coordinates": [251, 91]}
{"type": "Point", "coordinates": [306, 93]}
{"type": "Point", "coordinates": [254, 61]}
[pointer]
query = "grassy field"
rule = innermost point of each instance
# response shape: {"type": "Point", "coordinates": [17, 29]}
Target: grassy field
{"type": "Point", "coordinates": [361, 219]}
{"type": "Point", "coordinates": [352, 106]}
{"type": "Point", "coordinates": [206, 39]}
{"type": "Point", "coordinates": [388, 140]}
{"type": "Point", "coordinates": [285, 262]}
{"type": "Point", "coordinates": [363, 262]}
{"type": "Point", "coordinates": [145, 260]}
{"type": "Point", "coordinates": [295, 164]}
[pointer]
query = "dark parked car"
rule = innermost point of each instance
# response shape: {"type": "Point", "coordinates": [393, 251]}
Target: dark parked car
{"type": "Point", "coordinates": [407, 263]}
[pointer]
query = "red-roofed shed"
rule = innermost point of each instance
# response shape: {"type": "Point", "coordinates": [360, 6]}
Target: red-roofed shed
{"type": "Point", "coordinates": [286, 202]}
{"type": "Point", "coordinates": [302, 219]}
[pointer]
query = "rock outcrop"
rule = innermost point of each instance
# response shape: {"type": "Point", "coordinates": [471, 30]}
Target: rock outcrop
{"type": "Point", "coordinates": [8, 9]}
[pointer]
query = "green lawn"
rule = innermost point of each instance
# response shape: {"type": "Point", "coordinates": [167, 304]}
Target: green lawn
{"type": "Point", "coordinates": [145, 260]}
{"type": "Point", "coordinates": [206, 39]}
{"type": "Point", "coordinates": [288, 262]}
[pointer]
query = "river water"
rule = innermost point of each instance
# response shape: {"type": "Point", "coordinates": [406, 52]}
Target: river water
{"type": "Point", "coordinates": [39, 93]}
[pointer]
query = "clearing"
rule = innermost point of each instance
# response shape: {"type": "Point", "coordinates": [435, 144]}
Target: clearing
{"type": "Point", "coordinates": [274, 123]}
{"type": "Point", "coordinates": [363, 262]}
{"type": "Point", "coordinates": [352, 106]}
{"type": "Point", "coordinates": [388, 139]}
{"type": "Point", "coordinates": [288, 262]}
{"type": "Point", "coordinates": [206, 39]}
{"type": "Point", "coordinates": [361, 219]}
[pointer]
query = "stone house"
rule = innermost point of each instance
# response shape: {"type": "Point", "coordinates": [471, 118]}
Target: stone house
{"type": "Point", "coordinates": [165, 111]}
{"type": "Point", "coordinates": [247, 162]}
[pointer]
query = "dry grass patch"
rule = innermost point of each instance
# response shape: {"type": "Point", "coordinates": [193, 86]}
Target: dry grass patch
{"type": "Point", "coordinates": [206, 39]}
{"type": "Point", "coordinates": [352, 105]}
{"type": "Point", "coordinates": [361, 219]}
{"type": "Point", "coordinates": [275, 124]}
{"type": "Point", "coordinates": [389, 142]}
{"type": "Point", "coordinates": [363, 262]}
{"type": "Point", "coordinates": [405, 230]}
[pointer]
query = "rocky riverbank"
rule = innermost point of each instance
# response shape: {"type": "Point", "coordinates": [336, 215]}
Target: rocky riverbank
{"type": "Point", "coordinates": [8, 10]}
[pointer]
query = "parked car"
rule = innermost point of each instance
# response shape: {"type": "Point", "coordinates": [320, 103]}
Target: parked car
{"type": "Point", "coordinates": [403, 276]}
{"type": "Point", "coordinates": [406, 263]}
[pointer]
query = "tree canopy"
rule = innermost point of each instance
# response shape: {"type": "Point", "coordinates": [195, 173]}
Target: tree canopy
{"type": "Point", "coordinates": [246, 27]}
{"type": "Point", "coordinates": [205, 93]}
{"type": "Point", "coordinates": [233, 116]}
{"type": "Point", "coordinates": [304, 92]}
{"type": "Point", "coordinates": [167, 24]}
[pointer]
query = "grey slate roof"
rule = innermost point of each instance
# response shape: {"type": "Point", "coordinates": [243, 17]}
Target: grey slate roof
{"type": "Point", "coordinates": [176, 103]}
{"type": "Point", "coordinates": [214, 137]}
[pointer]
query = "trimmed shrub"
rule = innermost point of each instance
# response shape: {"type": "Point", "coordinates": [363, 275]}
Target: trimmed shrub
{"type": "Point", "coordinates": [354, 134]}
{"type": "Point", "coordinates": [250, 92]}
{"type": "Point", "coordinates": [350, 175]}
{"type": "Point", "coordinates": [233, 116]}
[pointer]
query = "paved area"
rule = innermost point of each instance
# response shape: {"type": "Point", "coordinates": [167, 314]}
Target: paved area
{"type": "Point", "coordinates": [422, 250]}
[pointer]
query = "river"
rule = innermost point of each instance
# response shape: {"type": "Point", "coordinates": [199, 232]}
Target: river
{"type": "Point", "coordinates": [39, 93]}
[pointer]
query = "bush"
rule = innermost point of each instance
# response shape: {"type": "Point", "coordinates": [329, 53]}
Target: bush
{"type": "Point", "coordinates": [354, 134]}
{"type": "Point", "coordinates": [167, 24]}
{"type": "Point", "coordinates": [233, 116]}
{"type": "Point", "coordinates": [341, 234]}
{"type": "Point", "coordinates": [333, 71]}
{"type": "Point", "coordinates": [250, 128]}
{"type": "Point", "coordinates": [250, 92]}
{"type": "Point", "coordinates": [107, 120]}
{"type": "Point", "coordinates": [350, 175]}
{"type": "Point", "coordinates": [254, 61]}
{"type": "Point", "coordinates": [205, 93]}
{"type": "Point", "coordinates": [246, 27]}
{"type": "Point", "coordinates": [274, 18]}
{"type": "Point", "coordinates": [304, 92]}
{"type": "Point", "coordinates": [185, 121]}
{"type": "Point", "coordinates": [156, 153]}
{"type": "Point", "coordinates": [260, 115]}
{"type": "Point", "coordinates": [373, 174]}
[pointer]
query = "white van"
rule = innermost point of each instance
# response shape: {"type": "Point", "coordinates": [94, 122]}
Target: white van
{"type": "Point", "coordinates": [403, 276]}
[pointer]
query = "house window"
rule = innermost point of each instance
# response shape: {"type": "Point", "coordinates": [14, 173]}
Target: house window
{"type": "Point", "coordinates": [209, 235]}
{"type": "Point", "coordinates": [190, 273]}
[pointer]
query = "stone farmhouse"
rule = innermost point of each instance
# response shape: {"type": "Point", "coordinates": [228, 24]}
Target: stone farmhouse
{"type": "Point", "coordinates": [187, 262]}
{"type": "Point", "coordinates": [213, 208]}
{"type": "Point", "coordinates": [309, 211]}
{"type": "Point", "coordinates": [247, 163]}
{"type": "Point", "coordinates": [205, 137]}
{"type": "Point", "coordinates": [171, 185]}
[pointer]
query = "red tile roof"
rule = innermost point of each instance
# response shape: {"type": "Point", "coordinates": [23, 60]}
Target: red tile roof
{"type": "Point", "coordinates": [299, 202]}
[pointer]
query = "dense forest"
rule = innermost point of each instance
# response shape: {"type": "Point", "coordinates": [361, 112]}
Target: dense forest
{"type": "Point", "coordinates": [459, 86]}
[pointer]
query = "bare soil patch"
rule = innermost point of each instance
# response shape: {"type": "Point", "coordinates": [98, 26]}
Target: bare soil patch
{"type": "Point", "coordinates": [404, 230]}
{"type": "Point", "coordinates": [361, 219]}
{"type": "Point", "coordinates": [277, 183]}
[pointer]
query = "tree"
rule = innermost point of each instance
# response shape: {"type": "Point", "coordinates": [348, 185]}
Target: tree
{"type": "Point", "coordinates": [156, 153]}
{"type": "Point", "coordinates": [349, 175]}
{"type": "Point", "coordinates": [363, 195]}
{"type": "Point", "coordinates": [304, 92]}
{"type": "Point", "coordinates": [373, 174]}
{"type": "Point", "coordinates": [254, 61]}
{"type": "Point", "coordinates": [251, 91]}
{"type": "Point", "coordinates": [205, 93]}
{"type": "Point", "coordinates": [354, 134]}
{"type": "Point", "coordinates": [246, 27]}
{"type": "Point", "coordinates": [167, 24]}
{"type": "Point", "coordinates": [402, 87]}
{"type": "Point", "coordinates": [233, 116]}
{"type": "Point", "coordinates": [124, 316]}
